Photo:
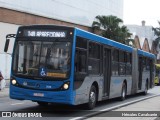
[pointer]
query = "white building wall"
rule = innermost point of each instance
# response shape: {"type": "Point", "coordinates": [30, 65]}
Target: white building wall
{"type": "Point", "coordinates": [5, 59]}
{"type": "Point", "coordinates": [142, 32]}
{"type": "Point", "coordinates": [82, 12]}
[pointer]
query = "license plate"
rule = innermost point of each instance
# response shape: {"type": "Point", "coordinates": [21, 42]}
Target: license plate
{"type": "Point", "coordinates": [38, 94]}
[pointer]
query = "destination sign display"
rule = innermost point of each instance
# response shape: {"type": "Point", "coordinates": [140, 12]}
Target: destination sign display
{"type": "Point", "coordinates": [45, 33]}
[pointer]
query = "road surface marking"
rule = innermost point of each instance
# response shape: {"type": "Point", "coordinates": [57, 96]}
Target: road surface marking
{"type": "Point", "coordinates": [114, 107]}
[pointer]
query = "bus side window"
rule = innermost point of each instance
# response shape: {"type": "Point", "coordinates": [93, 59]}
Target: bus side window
{"type": "Point", "coordinates": [115, 58]}
{"type": "Point", "coordinates": [122, 63]}
{"type": "Point", "coordinates": [80, 61]}
{"type": "Point", "coordinates": [94, 58]}
{"type": "Point", "coordinates": [81, 55]}
{"type": "Point", "coordinates": [144, 64]}
{"type": "Point", "coordinates": [147, 64]}
{"type": "Point", "coordinates": [128, 64]}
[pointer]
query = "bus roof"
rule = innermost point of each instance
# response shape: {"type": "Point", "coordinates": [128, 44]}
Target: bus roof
{"type": "Point", "coordinates": [102, 40]}
{"type": "Point", "coordinates": [46, 26]}
{"type": "Point", "coordinates": [144, 53]}
{"type": "Point", "coordinates": [110, 42]}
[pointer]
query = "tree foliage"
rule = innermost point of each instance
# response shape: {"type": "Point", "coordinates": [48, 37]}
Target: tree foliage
{"type": "Point", "coordinates": [157, 30]}
{"type": "Point", "coordinates": [111, 28]}
{"type": "Point", "coordinates": [157, 33]}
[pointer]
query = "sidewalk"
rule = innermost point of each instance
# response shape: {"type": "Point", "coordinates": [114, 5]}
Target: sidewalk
{"type": "Point", "coordinates": [5, 91]}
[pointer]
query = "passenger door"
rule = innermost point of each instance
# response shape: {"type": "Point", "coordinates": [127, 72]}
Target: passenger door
{"type": "Point", "coordinates": [140, 66]}
{"type": "Point", "coordinates": [107, 71]}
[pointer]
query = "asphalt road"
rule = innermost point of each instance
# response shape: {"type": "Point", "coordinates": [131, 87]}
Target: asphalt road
{"type": "Point", "coordinates": [63, 112]}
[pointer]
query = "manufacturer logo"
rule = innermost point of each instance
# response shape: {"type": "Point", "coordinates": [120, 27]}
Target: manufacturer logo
{"type": "Point", "coordinates": [37, 85]}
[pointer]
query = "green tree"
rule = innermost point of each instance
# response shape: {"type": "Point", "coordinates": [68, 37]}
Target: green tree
{"type": "Point", "coordinates": [157, 33]}
{"type": "Point", "coordinates": [110, 27]}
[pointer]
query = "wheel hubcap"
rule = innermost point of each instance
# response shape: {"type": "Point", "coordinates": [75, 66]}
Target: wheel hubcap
{"type": "Point", "coordinates": [92, 97]}
{"type": "Point", "coordinates": [123, 93]}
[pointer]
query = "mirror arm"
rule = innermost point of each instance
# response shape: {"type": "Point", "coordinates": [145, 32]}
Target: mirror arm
{"type": "Point", "coordinates": [8, 36]}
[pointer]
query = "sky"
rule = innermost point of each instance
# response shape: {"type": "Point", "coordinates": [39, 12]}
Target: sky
{"type": "Point", "coordinates": [137, 10]}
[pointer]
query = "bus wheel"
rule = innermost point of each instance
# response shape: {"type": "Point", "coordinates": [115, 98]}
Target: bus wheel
{"type": "Point", "coordinates": [92, 98]}
{"type": "Point", "coordinates": [42, 103]}
{"type": "Point", "coordinates": [123, 92]}
{"type": "Point", "coordinates": [146, 89]}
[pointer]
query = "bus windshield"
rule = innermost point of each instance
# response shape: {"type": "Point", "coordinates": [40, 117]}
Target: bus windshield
{"type": "Point", "coordinates": [42, 59]}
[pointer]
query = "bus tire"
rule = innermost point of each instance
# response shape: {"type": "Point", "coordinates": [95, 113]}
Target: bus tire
{"type": "Point", "coordinates": [146, 89]}
{"type": "Point", "coordinates": [42, 103]}
{"type": "Point", "coordinates": [123, 92]}
{"type": "Point", "coordinates": [92, 98]}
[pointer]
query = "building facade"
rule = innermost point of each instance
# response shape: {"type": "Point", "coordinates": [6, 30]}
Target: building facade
{"type": "Point", "coordinates": [144, 39]}
{"type": "Point", "coordinates": [79, 13]}
{"type": "Point", "coordinates": [143, 32]}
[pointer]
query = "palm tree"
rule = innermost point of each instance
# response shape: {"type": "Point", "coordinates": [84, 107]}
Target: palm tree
{"type": "Point", "coordinates": [110, 27]}
{"type": "Point", "coordinates": [124, 34]}
{"type": "Point", "coordinates": [157, 33]}
{"type": "Point", "coordinates": [157, 30]}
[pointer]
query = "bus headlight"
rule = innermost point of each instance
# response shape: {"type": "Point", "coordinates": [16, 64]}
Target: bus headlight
{"type": "Point", "coordinates": [65, 86]}
{"type": "Point", "coordinates": [14, 82]}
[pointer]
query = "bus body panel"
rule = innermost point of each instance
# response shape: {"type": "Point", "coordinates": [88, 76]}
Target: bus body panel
{"type": "Point", "coordinates": [117, 82]}
{"type": "Point", "coordinates": [63, 97]}
{"type": "Point", "coordinates": [82, 93]}
{"type": "Point", "coordinates": [135, 73]}
{"type": "Point", "coordinates": [145, 78]}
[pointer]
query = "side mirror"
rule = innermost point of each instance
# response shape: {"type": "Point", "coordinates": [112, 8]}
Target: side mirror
{"type": "Point", "coordinates": [6, 45]}
{"type": "Point", "coordinates": [8, 36]}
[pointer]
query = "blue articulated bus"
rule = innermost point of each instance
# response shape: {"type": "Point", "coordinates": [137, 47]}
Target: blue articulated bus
{"type": "Point", "coordinates": [67, 65]}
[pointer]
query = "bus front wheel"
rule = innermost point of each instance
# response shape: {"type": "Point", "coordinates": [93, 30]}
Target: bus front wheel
{"type": "Point", "coordinates": [92, 98]}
